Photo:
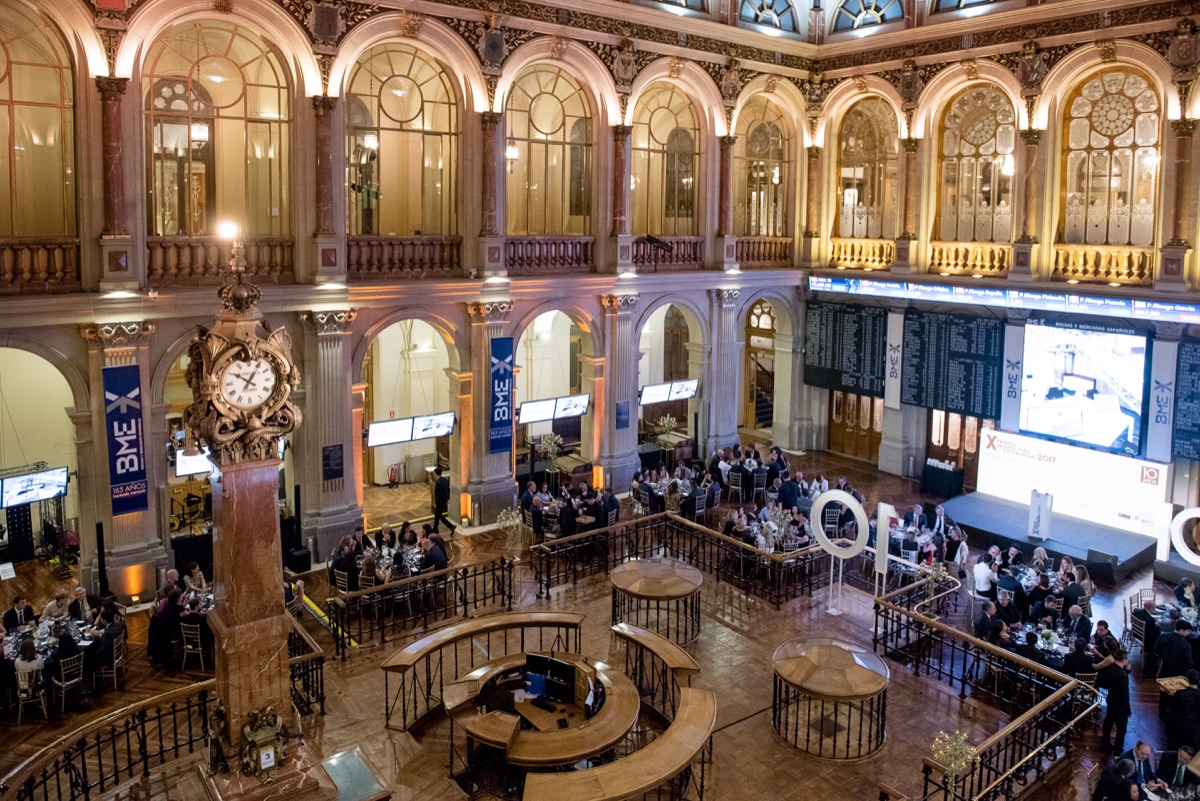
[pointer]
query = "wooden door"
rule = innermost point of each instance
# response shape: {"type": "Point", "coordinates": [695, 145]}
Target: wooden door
{"type": "Point", "coordinates": [855, 425]}
{"type": "Point", "coordinates": [955, 438]}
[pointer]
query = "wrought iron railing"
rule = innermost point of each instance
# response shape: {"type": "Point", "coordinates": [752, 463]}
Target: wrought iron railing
{"type": "Point", "coordinates": [1045, 705]}
{"type": "Point", "coordinates": [771, 576]}
{"type": "Point", "coordinates": [31, 265]}
{"type": "Point", "coordinates": [306, 664]}
{"type": "Point", "coordinates": [368, 617]}
{"type": "Point", "coordinates": [378, 258]}
{"type": "Point", "coordinates": [195, 260]}
{"type": "Point", "coordinates": [548, 255]}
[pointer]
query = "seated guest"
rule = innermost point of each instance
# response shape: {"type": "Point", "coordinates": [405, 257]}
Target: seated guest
{"type": "Point", "coordinates": [1045, 613]}
{"type": "Point", "coordinates": [85, 608]}
{"type": "Point", "coordinates": [58, 609]}
{"type": "Point", "coordinates": [1173, 617]}
{"type": "Point", "coordinates": [1013, 557]}
{"type": "Point", "coordinates": [1143, 766]}
{"type": "Point", "coordinates": [427, 533]}
{"type": "Point", "coordinates": [1174, 651]}
{"type": "Point", "coordinates": [526, 501]}
{"type": "Point", "coordinates": [1066, 565]}
{"type": "Point", "coordinates": [345, 562]}
{"type": "Point", "coordinates": [941, 522]}
{"type": "Point", "coordinates": [1002, 636]}
{"type": "Point", "coordinates": [358, 541]}
{"type": "Point", "coordinates": [1078, 660]}
{"type": "Point", "coordinates": [371, 567]}
{"type": "Point", "coordinates": [985, 579]}
{"type": "Point", "coordinates": [172, 581]}
{"type": "Point", "coordinates": [1084, 579]}
{"type": "Point", "coordinates": [568, 517]}
{"type": "Point", "coordinates": [21, 614]}
{"type": "Point", "coordinates": [983, 624]}
{"type": "Point", "coordinates": [1172, 768]}
{"type": "Point", "coordinates": [1006, 610]}
{"type": "Point", "coordinates": [67, 648]}
{"type": "Point", "coordinates": [192, 615]}
{"type": "Point", "coordinates": [1008, 583]}
{"type": "Point", "coordinates": [537, 519]}
{"type": "Point", "coordinates": [1041, 560]}
{"type": "Point", "coordinates": [194, 579]}
{"type": "Point", "coordinates": [610, 504]}
{"type": "Point", "coordinates": [1116, 783]}
{"type": "Point", "coordinates": [432, 557]}
{"type": "Point", "coordinates": [1185, 593]}
{"type": "Point", "coordinates": [1072, 591]}
{"type": "Point", "coordinates": [1029, 650]}
{"type": "Point", "coordinates": [1150, 626]}
{"type": "Point", "coordinates": [544, 494]}
{"type": "Point", "coordinates": [1076, 624]}
{"type": "Point", "coordinates": [1041, 591]}
{"type": "Point", "coordinates": [101, 656]}
{"type": "Point", "coordinates": [28, 659]}
{"type": "Point", "coordinates": [801, 527]}
{"type": "Point", "coordinates": [1103, 642]}
{"type": "Point", "coordinates": [386, 538]}
{"type": "Point", "coordinates": [916, 518]}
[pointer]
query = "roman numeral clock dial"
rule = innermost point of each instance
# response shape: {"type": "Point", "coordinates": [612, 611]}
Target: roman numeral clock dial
{"type": "Point", "coordinates": [247, 385]}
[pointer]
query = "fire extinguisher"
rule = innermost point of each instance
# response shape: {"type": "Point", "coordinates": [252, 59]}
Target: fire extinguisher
{"type": "Point", "coordinates": [394, 476]}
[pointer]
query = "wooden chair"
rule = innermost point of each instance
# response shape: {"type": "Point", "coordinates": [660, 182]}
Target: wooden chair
{"type": "Point", "coordinates": [1146, 594]}
{"type": "Point", "coordinates": [192, 644]}
{"type": "Point", "coordinates": [70, 677]}
{"type": "Point", "coordinates": [118, 662]}
{"type": "Point", "coordinates": [643, 495]}
{"type": "Point", "coordinates": [760, 487]}
{"type": "Point", "coordinates": [341, 582]}
{"type": "Point", "coordinates": [367, 581]}
{"type": "Point", "coordinates": [712, 506]}
{"type": "Point", "coordinates": [1090, 680]}
{"type": "Point", "coordinates": [909, 556]}
{"type": "Point", "coordinates": [1085, 603]}
{"type": "Point", "coordinates": [30, 691]}
{"type": "Point", "coordinates": [697, 510]}
{"type": "Point", "coordinates": [613, 514]}
{"type": "Point", "coordinates": [735, 485]}
{"type": "Point", "coordinates": [1093, 778]}
{"type": "Point", "coordinates": [829, 521]}
{"type": "Point", "coordinates": [1137, 635]}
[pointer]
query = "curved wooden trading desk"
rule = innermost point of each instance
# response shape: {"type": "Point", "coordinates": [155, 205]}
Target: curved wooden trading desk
{"type": "Point", "coordinates": [664, 759]}
{"type": "Point", "coordinates": [677, 660]}
{"type": "Point", "coordinates": [548, 746]}
{"type": "Point", "coordinates": [661, 595]}
{"type": "Point", "coordinates": [404, 659]}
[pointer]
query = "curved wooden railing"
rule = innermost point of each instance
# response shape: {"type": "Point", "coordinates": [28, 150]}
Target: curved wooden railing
{"type": "Point", "coordinates": [1128, 266]}
{"type": "Point", "coordinates": [862, 254]}
{"type": "Point", "coordinates": [658, 667]}
{"type": "Point", "coordinates": [984, 259]}
{"type": "Point", "coordinates": [377, 258]}
{"type": "Point", "coordinates": [422, 669]}
{"type": "Point", "coordinates": [199, 260]}
{"type": "Point", "coordinates": [759, 252]}
{"type": "Point", "coordinates": [548, 255]}
{"type": "Point", "coordinates": [31, 265]}
{"type": "Point", "coordinates": [687, 253]}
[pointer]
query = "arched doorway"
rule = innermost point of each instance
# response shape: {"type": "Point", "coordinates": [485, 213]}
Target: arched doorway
{"type": "Point", "coordinates": [664, 344]}
{"type": "Point", "coordinates": [36, 435]}
{"type": "Point", "coordinates": [548, 365]}
{"type": "Point", "coordinates": [758, 407]}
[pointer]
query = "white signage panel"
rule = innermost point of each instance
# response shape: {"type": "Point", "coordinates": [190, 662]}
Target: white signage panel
{"type": "Point", "coordinates": [1160, 416]}
{"type": "Point", "coordinates": [894, 362]}
{"type": "Point", "coordinates": [1010, 396]}
{"type": "Point", "coordinates": [1103, 488]}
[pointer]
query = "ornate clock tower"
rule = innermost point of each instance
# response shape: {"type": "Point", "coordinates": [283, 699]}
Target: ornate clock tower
{"type": "Point", "coordinates": [242, 377]}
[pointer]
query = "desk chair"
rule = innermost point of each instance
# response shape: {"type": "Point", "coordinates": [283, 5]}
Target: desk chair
{"type": "Point", "coordinates": [70, 677]}
{"type": "Point", "coordinates": [118, 662]}
{"type": "Point", "coordinates": [30, 691]}
{"type": "Point", "coordinates": [192, 644]}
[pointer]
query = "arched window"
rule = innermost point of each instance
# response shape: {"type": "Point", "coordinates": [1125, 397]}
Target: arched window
{"type": "Point", "coordinates": [854, 14]}
{"type": "Point", "coordinates": [867, 171]}
{"type": "Point", "coordinates": [217, 126]}
{"type": "Point", "coordinates": [1111, 134]}
{"type": "Point", "coordinates": [778, 14]}
{"type": "Point", "coordinates": [954, 5]}
{"type": "Point", "coordinates": [550, 132]}
{"type": "Point", "coordinates": [762, 171]}
{"type": "Point", "coordinates": [401, 144]}
{"type": "Point", "coordinates": [37, 173]}
{"type": "Point", "coordinates": [665, 157]}
{"type": "Point", "coordinates": [978, 136]}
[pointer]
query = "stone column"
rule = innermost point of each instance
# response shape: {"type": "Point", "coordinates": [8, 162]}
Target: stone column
{"type": "Point", "coordinates": [618, 448]}
{"type": "Point", "coordinates": [620, 198]}
{"type": "Point", "coordinates": [330, 261]}
{"type": "Point", "coordinates": [330, 504]}
{"type": "Point", "coordinates": [133, 541]}
{"type": "Point", "coordinates": [904, 242]}
{"type": "Point", "coordinates": [1170, 274]}
{"type": "Point", "coordinates": [812, 208]}
{"type": "Point", "coordinates": [726, 241]}
{"type": "Point", "coordinates": [593, 381]}
{"type": "Point", "coordinates": [700, 406]}
{"type": "Point", "coordinates": [902, 448]}
{"type": "Point", "coordinates": [491, 238]}
{"type": "Point", "coordinates": [90, 475]}
{"type": "Point", "coordinates": [116, 246]}
{"type": "Point", "coordinates": [1022, 264]}
{"type": "Point", "coordinates": [463, 439]}
{"type": "Point", "coordinates": [358, 394]}
{"type": "Point", "coordinates": [721, 394]}
{"type": "Point", "coordinates": [490, 478]}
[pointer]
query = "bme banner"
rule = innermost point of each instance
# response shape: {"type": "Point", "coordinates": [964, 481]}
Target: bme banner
{"type": "Point", "coordinates": [126, 439]}
{"type": "Point", "coordinates": [500, 427]}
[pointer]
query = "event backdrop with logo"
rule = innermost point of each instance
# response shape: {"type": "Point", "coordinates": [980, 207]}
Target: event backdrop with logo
{"type": "Point", "coordinates": [126, 445]}
{"type": "Point", "coordinates": [1116, 491]}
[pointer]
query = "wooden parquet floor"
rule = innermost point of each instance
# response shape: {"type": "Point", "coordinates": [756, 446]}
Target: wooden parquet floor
{"type": "Point", "coordinates": [734, 649]}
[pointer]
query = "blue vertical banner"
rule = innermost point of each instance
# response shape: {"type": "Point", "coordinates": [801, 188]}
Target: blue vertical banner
{"type": "Point", "coordinates": [126, 439]}
{"type": "Point", "coordinates": [500, 380]}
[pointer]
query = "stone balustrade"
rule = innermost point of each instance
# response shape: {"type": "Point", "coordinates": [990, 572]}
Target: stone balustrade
{"type": "Point", "coordinates": [199, 260]}
{"type": "Point", "coordinates": [759, 252]}
{"type": "Point", "coordinates": [862, 254]}
{"type": "Point", "coordinates": [548, 255]}
{"type": "Point", "coordinates": [29, 265]}
{"type": "Point", "coordinates": [372, 258]}
{"type": "Point", "coordinates": [1105, 264]}
{"type": "Point", "coordinates": [984, 259]}
{"type": "Point", "coordinates": [687, 253]}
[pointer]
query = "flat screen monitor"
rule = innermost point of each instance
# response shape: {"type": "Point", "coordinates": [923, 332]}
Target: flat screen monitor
{"type": "Point", "coordinates": [433, 425]}
{"type": "Point", "coordinates": [1084, 386]}
{"type": "Point", "coordinates": [536, 411]}
{"type": "Point", "coordinates": [32, 487]}
{"type": "Point", "coordinates": [571, 406]}
{"type": "Point", "coordinates": [682, 390]}
{"type": "Point", "coordinates": [192, 465]}
{"type": "Point", "coordinates": [537, 665]}
{"type": "Point", "coordinates": [389, 432]}
{"type": "Point", "coordinates": [655, 393]}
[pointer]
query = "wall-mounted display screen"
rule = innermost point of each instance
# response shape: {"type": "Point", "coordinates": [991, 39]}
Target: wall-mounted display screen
{"type": "Point", "coordinates": [536, 411]}
{"type": "Point", "coordinates": [192, 465]}
{"type": "Point", "coordinates": [682, 390]}
{"type": "Point", "coordinates": [654, 393]}
{"type": "Point", "coordinates": [433, 425]}
{"type": "Point", "coordinates": [1084, 386]}
{"type": "Point", "coordinates": [571, 406]}
{"type": "Point", "coordinates": [389, 432]}
{"type": "Point", "coordinates": [31, 487]}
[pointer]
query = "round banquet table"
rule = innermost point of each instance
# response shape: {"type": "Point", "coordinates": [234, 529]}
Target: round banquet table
{"type": "Point", "coordinates": [830, 697]}
{"type": "Point", "coordinates": [659, 595]}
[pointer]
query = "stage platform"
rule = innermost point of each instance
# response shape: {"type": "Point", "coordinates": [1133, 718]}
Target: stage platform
{"type": "Point", "coordinates": [1175, 568]}
{"type": "Point", "coordinates": [1109, 553]}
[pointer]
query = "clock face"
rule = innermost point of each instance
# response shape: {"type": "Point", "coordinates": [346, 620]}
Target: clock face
{"type": "Point", "coordinates": [248, 384]}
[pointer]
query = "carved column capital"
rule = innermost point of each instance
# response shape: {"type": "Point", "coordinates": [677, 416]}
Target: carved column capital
{"type": "Point", "coordinates": [724, 298]}
{"type": "Point", "coordinates": [336, 321]}
{"type": "Point", "coordinates": [1184, 128]}
{"type": "Point", "coordinates": [490, 120]}
{"type": "Point", "coordinates": [489, 311]}
{"type": "Point", "coordinates": [619, 303]}
{"type": "Point", "coordinates": [1031, 136]}
{"type": "Point", "coordinates": [911, 144]}
{"type": "Point", "coordinates": [116, 335]}
{"type": "Point", "coordinates": [111, 88]}
{"type": "Point", "coordinates": [323, 104]}
{"type": "Point", "coordinates": [727, 142]}
{"type": "Point", "coordinates": [814, 152]}
{"type": "Point", "coordinates": [1169, 332]}
{"type": "Point", "coordinates": [621, 133]}
{"type": "Point", "coordinates": [1017, 316]}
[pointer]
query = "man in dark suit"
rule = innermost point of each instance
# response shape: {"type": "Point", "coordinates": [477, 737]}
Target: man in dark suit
{"type": "Point", "coordinates": [1013, 557]}
{"type": "Point", "coordinates": [1150, 622]}
{"type": "Point", "coordinates": [1006, 610]}
{"type": "Point", "coordinates": [1072, 592]}
{"type": "Point", "coordinates": [1115, 676]}
{"type": "Point", "coordinates": [358, 541]}
{"type": "Point", "coordinates": [85, 607]}
{"type": "Point", "coordinates": [940, 523]}
{"type": "Point", "coordinates": [21, 614]}
{"type": "Point", "coordinates": [1115, 782]}
{"type": "Point", "coordinates": [101, 654]}
{"type": "Point", "coordinates": [1011, 585]}
{"type": "Point", "coordinates": [1185, 593]}
{"type": "Point", "coordinates": [432, 557]}
{"type": "Point", "coordinates": [610, 504]}
{"type": "Point", "coordinates": [441, 500]}
{"type": "Point", "coordinates": [1172, 768]}
{"type": "Point", "coordinates": [916, 518]}
{"type": "Point", "coordinates": [983, 623]}
{"type": "Point", "coordinates": [1029, 649]}
{"type": "Point", "coordinates": [1143, 766]}
{"type": "Point", "coordinates": [527, 496]}
{"type": "Point", "coordinates": [1175, 651]}
{"type": "Point", "coordinates": [1077, 624]}
{"type": "Point", "coordinates": [1045, 612]}
{"type": "Point", "coordinates": [538, 519]}
{"type": "Point", "coordinates": [1184, 723]}
{"type": "Point", "coordinates": [789, 494]}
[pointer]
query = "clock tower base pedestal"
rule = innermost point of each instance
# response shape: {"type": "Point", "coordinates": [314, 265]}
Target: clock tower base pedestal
{"type": "Point", "coordinates": [303, 778]}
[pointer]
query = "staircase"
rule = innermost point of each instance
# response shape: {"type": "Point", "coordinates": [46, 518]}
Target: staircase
{"type": "Point", "coordinates": [764, 396]}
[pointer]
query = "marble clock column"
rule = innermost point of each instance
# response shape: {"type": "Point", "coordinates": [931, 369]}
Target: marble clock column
{"type": "Point", "coordinates": [330, 160]}
{"type": "Point", "coordinates": [812, 207]}
{"type": "Point", "coordinates": [121, 270]}
{"type": "Point", "coordinates": [726, 244]}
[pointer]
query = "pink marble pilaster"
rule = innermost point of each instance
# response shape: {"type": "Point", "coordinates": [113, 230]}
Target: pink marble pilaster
{"type": "Point", "coordinates": [1031, 138]}
{"type": "Point", "coordinates": [620, 189]}
{"type": "Point", "coordinates": [811, 218]}
{"type": "Point", "coordinates": [324, 106]}
{"type": "Point", "coordinates": [725, 199]}
{"type": "Point", "coordinates": [910, 188]}
{"type": "Point", "coordinates": [490, 125]}
{"type": "Point", "coordinates": [111, 92]}
{"type": "Point", "coordinates": [1183, 130]}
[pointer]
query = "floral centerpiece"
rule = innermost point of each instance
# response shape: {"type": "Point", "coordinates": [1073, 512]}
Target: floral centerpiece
{"type": "Point", "coordinates": [665, 425]}
{"type": "Point", "coordinates": [1049, 638]}
{"type": "Point", "coordinates": [509, 521]}
{"type": "Point", "coordinates": [550, 444]}
{"type": "Point", "coordinates": [936, 576]}
{"type": "Point", "coordinates": [955, 754]}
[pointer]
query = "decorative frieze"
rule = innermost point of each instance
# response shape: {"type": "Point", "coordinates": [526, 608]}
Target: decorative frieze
{"type": "Point", "coordinates": [619, 303]}
{"type": "Point", "coordinates": [337, 321]}
{"type": "Point", "coordinates": [116, 335]}
{"type": "Point", "coordinates": [489, 311]}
